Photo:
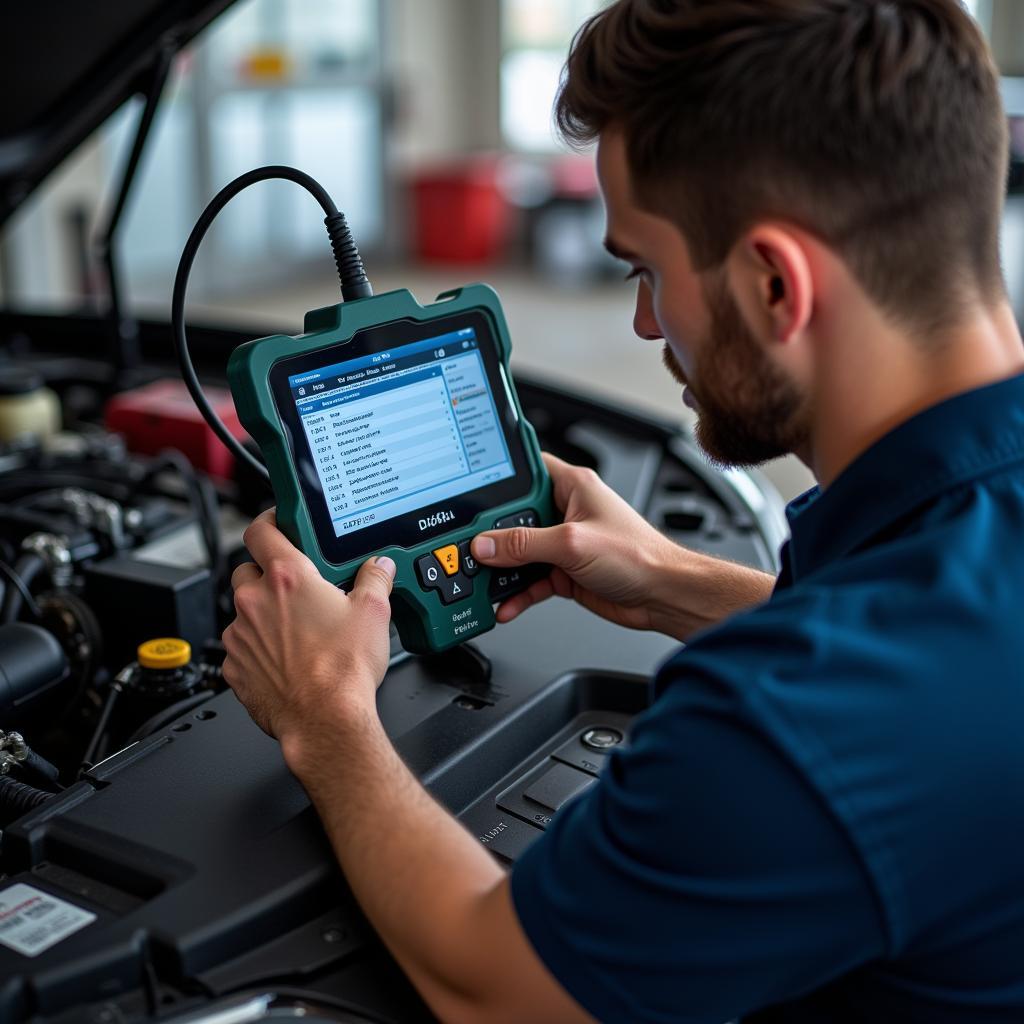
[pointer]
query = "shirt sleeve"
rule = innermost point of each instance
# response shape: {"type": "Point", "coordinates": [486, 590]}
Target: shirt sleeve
{"type": "Point", "coordinates": [701, 879]}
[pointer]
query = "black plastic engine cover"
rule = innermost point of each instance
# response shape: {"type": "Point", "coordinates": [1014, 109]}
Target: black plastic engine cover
{"type": "Point", "coordinates": [207, 868]}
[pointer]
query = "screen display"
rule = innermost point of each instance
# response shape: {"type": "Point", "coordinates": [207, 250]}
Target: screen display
{"type": "Point", "coordinates": [401, 429]}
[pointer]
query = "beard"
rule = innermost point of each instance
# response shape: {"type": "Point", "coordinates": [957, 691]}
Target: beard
{"type": "Point", "coordinates": [750, 412]}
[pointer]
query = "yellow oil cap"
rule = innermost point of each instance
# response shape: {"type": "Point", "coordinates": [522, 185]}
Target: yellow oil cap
{"type": "Point", "coordinates": [165, 652]}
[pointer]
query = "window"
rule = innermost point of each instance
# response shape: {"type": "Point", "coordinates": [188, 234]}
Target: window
{"type": "Point", "coordinates": [535, 40]}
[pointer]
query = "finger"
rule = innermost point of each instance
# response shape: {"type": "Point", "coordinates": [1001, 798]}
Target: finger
{"type": "Point", "coordinates": [562, 583]}
{"type": "Point", "coordinates": [521, 545]}
{"type": "Point", "coordinates": [375, 579]}
{"type": "Point", "coordinates": [518, 603]}
{"type": "Point", "coordinates": [266, 542]}
{"type": "Point", "coordinates": [560, 472]}
{"type": "Point", "coordinates": [554, 463]}
{"type": "Point", "coordinates": [245, 573]}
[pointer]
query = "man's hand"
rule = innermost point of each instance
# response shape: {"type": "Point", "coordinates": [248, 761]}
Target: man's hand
{"type": "Point", "coordinates": [300, 647]}
{"type": "Point", "coordinates": [613, 562]}
{"type": "Point", "coordinates": [306, 659]}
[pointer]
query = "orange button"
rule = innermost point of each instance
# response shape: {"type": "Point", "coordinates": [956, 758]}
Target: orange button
{"type": "Point", "coordinates": [449, 558]}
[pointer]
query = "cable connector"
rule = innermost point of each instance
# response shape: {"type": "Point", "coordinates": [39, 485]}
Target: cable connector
{"type": "Point", "coordinates": [354, 283]}
{"type": "Point", "coordinates": [17, 754]}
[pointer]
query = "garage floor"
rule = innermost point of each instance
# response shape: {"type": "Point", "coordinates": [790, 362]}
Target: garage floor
{"type": "Point", "coordinates": [579, 337]}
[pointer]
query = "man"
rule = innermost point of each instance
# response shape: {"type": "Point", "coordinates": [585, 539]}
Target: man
{"type": "Point", "coordinates": [821, 818]}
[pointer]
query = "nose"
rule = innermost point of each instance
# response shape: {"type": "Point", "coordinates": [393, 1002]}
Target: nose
{"type": "Point", "coordinates": [645, 323]}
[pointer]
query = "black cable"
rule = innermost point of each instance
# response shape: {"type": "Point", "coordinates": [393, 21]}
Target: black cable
{"type": "Point", "coordinates": [40, 772]}
{"type": "Point", "coordinates": [17, 799]}
{"type": "Point", "coordinates": [22, 575]}
{"type": "Point", "coordinates": [23, 483]}
{"type": "Point", "coordinates": [211, 515]}
{"type": "Point", "coordinates": [7, 554]}
{"type": "Point", "coordinates": [354, 284]}
{"type": "Point", "coordinates": [101, 726]}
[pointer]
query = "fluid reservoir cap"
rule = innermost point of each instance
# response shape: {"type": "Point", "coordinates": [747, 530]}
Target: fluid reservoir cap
{"type": "Point", "coordinates": [164, 652]}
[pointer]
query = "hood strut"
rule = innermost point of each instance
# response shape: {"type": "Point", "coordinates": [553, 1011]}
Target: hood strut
{"type": "Point", "coordinates": [124, 333]}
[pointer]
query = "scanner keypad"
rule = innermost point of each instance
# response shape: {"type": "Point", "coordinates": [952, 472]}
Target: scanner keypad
{"type": "Point", "coordinates": [450, 569]}
{"type": "Point", "coordinates": [441, 571]}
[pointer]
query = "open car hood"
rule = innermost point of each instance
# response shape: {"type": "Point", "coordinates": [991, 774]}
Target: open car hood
{"type": "Point", "coordinates": [66, 66]}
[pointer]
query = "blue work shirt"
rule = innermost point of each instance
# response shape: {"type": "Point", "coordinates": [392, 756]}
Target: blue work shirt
{"type": "Point", "coordinates": [821, 816]}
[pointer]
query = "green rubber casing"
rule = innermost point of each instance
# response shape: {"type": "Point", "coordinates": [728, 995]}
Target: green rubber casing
{"type": "Point", "coordinates": [425, 624]}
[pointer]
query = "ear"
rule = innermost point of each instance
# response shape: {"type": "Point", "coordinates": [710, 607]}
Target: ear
{"type": "Point", "coordinates": [770, 271]}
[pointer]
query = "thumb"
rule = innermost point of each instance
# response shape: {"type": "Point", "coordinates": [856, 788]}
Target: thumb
{"type": "Point", "coordinates": [519, 545]}
{"type": "Point", "coordinates": [374, 579]}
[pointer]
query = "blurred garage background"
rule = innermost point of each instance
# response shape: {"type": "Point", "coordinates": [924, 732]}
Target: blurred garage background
{"type": "Point", "coordinates": [429, 122]}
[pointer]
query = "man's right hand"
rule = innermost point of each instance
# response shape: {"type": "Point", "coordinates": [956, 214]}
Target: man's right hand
{"type": "Point", "coordinates": [609, 559]}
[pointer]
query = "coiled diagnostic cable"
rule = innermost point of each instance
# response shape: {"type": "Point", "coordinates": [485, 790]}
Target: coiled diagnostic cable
{"type": "Point", "coordinates": [354, 283]}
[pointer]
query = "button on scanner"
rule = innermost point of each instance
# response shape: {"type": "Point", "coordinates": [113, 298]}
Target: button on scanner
{"type": "Point", "coordinates": [466, 560]}
{"type": "Point", "coordinates": [525, 518]}
{"type": "Point", "coordinates": [434, 575]}
{"type": "Point", "coordinates": [448, 556]}
{"type": "Point", "coordinates": [429, 572]}
{"type": "Point", "coordinates": [454, 588]}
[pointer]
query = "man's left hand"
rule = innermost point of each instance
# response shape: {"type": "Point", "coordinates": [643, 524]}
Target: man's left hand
{"type": "Point", "coordinates": [300, 648]}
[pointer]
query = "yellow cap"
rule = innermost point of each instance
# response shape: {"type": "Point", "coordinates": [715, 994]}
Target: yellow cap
{"type": "Point", "coordinates": [166, 652]}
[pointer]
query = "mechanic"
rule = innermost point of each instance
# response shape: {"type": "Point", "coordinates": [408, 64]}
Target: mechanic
{"type": "Point", "coordinates": [821, 817]}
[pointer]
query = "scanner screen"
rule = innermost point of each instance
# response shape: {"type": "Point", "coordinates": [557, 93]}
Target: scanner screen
{"type": "Point", "coordinates": [400, 430]}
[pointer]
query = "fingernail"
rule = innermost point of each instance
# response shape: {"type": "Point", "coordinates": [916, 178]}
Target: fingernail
{"type": "Point", "coordinates": [387, 565]}
{"type": "Point", "coordinates": [484, 547]}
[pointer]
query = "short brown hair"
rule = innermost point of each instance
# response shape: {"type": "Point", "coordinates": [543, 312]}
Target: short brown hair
{"type": "Point", "coordinates": [876, 125]}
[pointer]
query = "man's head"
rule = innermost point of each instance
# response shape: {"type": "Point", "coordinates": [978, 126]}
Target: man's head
{"type": "Point", "coordinates": [748, 146]}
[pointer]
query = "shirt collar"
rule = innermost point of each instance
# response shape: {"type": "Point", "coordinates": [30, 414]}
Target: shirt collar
{"type": "Point", "coordinates": [954, 442]}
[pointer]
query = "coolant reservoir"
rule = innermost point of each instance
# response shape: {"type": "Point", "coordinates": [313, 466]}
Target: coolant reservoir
{"type": "Point", "coordinates": [164, 672]}
{"type": "Point", "coordinates": [27, 407]}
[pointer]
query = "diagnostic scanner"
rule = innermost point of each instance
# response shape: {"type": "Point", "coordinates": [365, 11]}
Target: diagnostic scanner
{"type": "Point", "coordinates": [391, 428]}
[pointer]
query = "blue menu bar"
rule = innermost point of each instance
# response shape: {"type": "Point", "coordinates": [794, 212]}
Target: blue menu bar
{"type": "Point", "coordinates": [377, 358]}
{"type": "Point", "coordinates": [374, 388]}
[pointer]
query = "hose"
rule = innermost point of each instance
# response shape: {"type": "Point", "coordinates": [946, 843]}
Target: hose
{"type": "Point", "coordinates": [37, 766]}
{"type": "Point", "coordinates": [18, 484]}
{"type": "Point", "coordinates": [17, 799]}
{"type": "Point", "coordinates": [24, 571]}
{"type": "Point", "coordinates": [99, 733]}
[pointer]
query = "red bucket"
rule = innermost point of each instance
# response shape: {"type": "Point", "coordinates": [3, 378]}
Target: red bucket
{"type": "Point", "coordinates": [460, 213]}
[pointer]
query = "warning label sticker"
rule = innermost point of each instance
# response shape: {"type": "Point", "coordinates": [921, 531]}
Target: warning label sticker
{"type": "Point", "coordinates": [32, 921]}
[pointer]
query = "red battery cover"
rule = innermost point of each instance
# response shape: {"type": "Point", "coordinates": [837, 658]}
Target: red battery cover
{"type": "Point", "coordinates": [163, 415]}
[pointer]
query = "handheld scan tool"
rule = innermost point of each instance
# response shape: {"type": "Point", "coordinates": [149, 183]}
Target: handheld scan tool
{"type": "Point", "coordinates": [392, 428]}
